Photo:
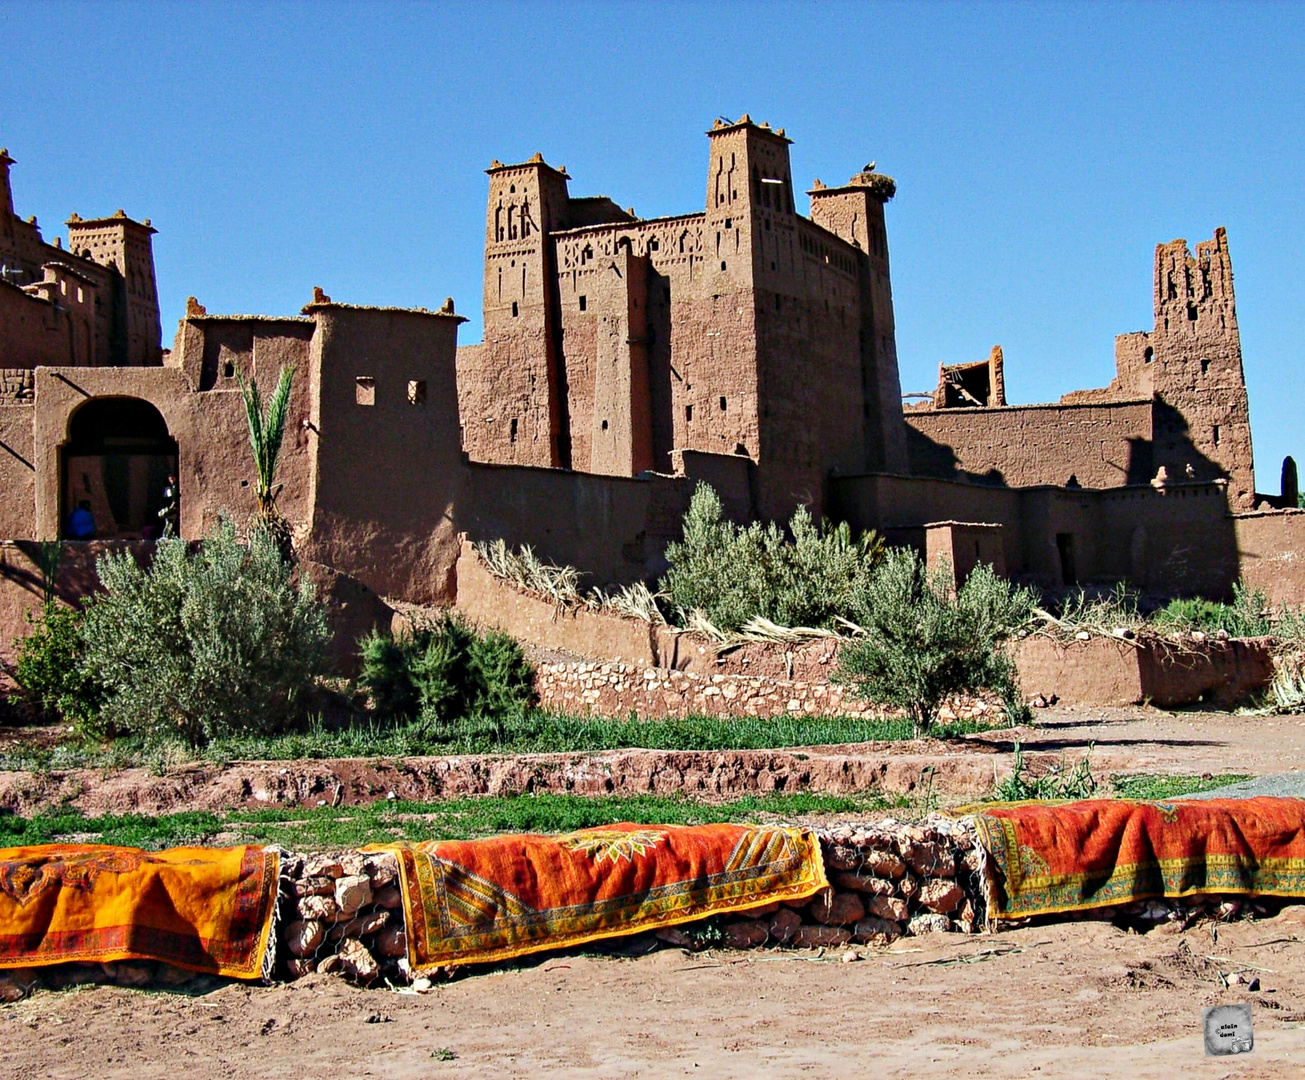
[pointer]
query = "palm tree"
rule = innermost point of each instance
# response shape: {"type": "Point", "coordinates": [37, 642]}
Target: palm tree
{"type": "Point", "coordinates": [266, 432]}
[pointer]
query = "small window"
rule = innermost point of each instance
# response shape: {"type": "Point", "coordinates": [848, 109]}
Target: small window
{"type": "Point", "coordinates": [1215, 432]}
{"type": "Point", "coordinates": [228, 370]}
{"type": "Point", "coordinates": [722, 266]}
{"type": "Point", "coordinates": [584, 303]}
{"type": "Point", "coordinates": [722, 404]}
{"type": "Point", "coordinates": [1148, 355]}
{"type": "Point", "coordinates": [688, 412]}
{"type": "Point", "coordinates": [779, 302]}
{"type": "Point", "coordinates": [416, 391]}
{"type": "Point", "coordinates": [1205, 364]}
{"type": "Point", "coordinates": [604, 425]}
{"type": "Point", "coordinates": [512, 430]}
{"type": "Point", "coordinates": [729, 223]}
{"type": "Point", "coordinates": [364, 390]}
{"type": "Point", "coordinates": [515, 310]}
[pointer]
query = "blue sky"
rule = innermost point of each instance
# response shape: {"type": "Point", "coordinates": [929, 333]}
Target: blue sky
{"type": "Point", "coordinates": [1041, 151]}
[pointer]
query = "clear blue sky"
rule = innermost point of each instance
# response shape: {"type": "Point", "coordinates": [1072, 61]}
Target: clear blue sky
{"type": "Point", "coordinates": [1041, 151]}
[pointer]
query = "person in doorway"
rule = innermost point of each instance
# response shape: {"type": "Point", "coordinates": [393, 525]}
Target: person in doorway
{"type": "Point", "coordinates": [81, 522]}
{"type": "Point", "coordinates": [170, 514]}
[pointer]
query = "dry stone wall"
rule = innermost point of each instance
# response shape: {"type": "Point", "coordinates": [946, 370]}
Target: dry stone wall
{"type": "Point", "coordinates": [342, 913]}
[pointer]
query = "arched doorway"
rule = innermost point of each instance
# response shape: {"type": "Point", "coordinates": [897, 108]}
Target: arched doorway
{"type": "Point", "coordinates": [120, 464]}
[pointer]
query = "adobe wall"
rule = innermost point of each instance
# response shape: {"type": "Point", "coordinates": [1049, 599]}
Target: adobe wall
{"type": "Point", "coordinates": [491, 602]}
{"type": "Point", "coordinates": [215, 465]}
{"type": "Point", "coordinates": [1271, 551]}
{"type": "Point", "coordinates": [17, 460]}
{"type": "Point", "coordinates": [1101, 446]}
{"type": "Point", "coordinates": [1178, 540]}
{"type": "Point", "coordinates": [383, 440]}
{"type": "Point", "coordinates": [1105, 671]}
{"type": "Point", "coordinates": [762, 333]}
{"type": "Point", "coordinates": [31, 331]}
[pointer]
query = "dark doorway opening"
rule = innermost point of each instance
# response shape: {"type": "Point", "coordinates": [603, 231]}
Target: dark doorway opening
{"type": "Point", "coordinates": [120, 463]}
{"type": "Point", "coordinates": [1065, 546]}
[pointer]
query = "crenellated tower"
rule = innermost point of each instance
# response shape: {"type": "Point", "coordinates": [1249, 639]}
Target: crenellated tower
{"type": "Point", "coordinates": [125, 246]}
{"type": "Point", "coordinates": [515, 406]}
{"type": "Point", "coordinates": [855, 212]}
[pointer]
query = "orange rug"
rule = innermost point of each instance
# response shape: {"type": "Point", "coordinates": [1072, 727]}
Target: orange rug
{"type": "Point", "coordinates": [205, 909]}
{"type": "Point", "coordinates": [476, 901]}
{"type": "Point", "coordinates": [1052, 857]}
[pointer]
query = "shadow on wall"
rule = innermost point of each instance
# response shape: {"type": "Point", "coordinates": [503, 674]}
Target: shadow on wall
{"type": "Point", "coordinates": [930, 458]}
{"type": "Point", "coordinates": [1070, 466]}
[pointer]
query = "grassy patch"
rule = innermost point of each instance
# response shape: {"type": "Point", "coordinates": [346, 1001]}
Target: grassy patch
{"type": "Point", "coordinates": [455, 819]}
{"type": "Point", "coordinates": [1160, 786]}
{"type": "Point", "coordinates": [532, 733]}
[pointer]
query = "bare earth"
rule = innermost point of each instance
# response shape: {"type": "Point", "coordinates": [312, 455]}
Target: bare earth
{"type": "Point", "coordinates": [1079, 999]}
{"type": "Point", "coordinates": [1073, 999]}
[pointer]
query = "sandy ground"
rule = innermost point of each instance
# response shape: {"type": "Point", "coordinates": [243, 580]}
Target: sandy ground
{"type": "Point", "coordinates": [1080, 999]}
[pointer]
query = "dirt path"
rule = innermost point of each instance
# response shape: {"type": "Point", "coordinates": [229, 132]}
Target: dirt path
{"type": "Point", "coordinates": [1149, 740]}
{"type": "Point", "coordinates": [1071, 1000]}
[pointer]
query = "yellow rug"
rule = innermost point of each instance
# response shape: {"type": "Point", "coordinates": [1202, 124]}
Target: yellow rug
{"type": "Point", "coordinates": [482, 900]}
{"type": "Point", "coordinates": [205, 909]}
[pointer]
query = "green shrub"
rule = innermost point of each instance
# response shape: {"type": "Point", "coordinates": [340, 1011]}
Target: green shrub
{"type": "Point", "coordinates": [732, 573]}
{"type": "Point", "coordinates": [47, 666]}
{"type": "Point", "coordinates": [921, 644]}
{"type": "Point", "coordinates": [1246, 616]}
{"type": "Point", "coordinates": [1061, 782]}
{"type": "Point", "coordinates": [203, 643]}
{"type": "Point", "coordinates": [444, 671]}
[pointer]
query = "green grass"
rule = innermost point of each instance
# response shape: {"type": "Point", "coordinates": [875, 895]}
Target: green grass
{"type": "Point", "coordinates": [533, 733]}
{"type": "Point", "coordinates": [454, 819]}
{"type": "Point", "coordinates": [1161, 786]}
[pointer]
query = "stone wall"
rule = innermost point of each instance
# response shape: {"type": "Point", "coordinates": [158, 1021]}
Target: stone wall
{"type": "Point", "coordinates": [620, 689]}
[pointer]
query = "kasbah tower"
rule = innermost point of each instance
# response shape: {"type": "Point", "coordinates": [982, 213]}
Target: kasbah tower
{"type": "Point", "coordinates": [612, 343]}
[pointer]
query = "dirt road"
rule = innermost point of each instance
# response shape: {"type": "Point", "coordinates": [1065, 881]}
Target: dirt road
{"type": "Point", "coordinates": [1071, 1000]}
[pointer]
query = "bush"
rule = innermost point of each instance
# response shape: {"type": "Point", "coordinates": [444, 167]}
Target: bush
{"type": "Point", "coordinates": [732, 574]}
{"type": "Point", "coordinates": [203, 643]}
{"type": "Point", "coordinates": [921, 644]}
{"type": "Point", "coordinates": [444, 671]}
{"type": "Point", "coordinates": [47, 666]}
{"type": "Point", "coordinates": [1246, 616]}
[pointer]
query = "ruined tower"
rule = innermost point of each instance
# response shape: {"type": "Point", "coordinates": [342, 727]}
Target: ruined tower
{"type": "Point", "coordinates": [1191, 362]}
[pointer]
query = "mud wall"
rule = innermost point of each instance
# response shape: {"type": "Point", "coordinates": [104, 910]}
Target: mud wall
{"type": "Point", "coordinates": [1107, 671]}
{"type": "Point", "coordinates": [1271, 553]}
{"type": "Point", "coordinates": [1100, 446]}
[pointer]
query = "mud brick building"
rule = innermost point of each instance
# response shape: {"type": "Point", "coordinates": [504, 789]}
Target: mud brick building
{"type": "Point", "coordinates": [623, 361]}
{"type": "Point", "coordinates": [744, 328]}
